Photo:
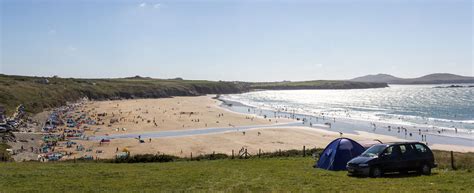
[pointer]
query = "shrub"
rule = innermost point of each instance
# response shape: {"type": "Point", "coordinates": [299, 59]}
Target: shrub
{"type": "Point", "coordinates": [144, 158]}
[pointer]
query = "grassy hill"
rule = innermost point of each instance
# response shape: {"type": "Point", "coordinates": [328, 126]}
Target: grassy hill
{"type": "Point", "coordinates": [38, 93]}
{"type": "Point", "coordinates": [293, 174]}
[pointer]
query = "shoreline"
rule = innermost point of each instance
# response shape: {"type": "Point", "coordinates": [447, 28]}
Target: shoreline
{"type": "Point", "coordinates": [462, 133]}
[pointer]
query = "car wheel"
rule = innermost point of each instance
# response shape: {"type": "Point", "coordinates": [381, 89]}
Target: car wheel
{"type": "Point", "coordinates": [425, 169]}
{"type": "Point", "coordinates": [375, 172]}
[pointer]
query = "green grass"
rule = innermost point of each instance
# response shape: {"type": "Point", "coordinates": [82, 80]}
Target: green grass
{"type": "Point", "coordinates": [262, 175]}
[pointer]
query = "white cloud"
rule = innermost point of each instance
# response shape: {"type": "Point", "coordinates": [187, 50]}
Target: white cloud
{"type": "Point", "coordinates": [319, 65]}
{"type": "Point", "coordinates": [142, 4]}
{"type": "Point", "coordinates": [156, 5]}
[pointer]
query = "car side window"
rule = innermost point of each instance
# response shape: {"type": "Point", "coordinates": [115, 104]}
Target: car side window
{"type": "Point", "coordinates": [392, 151]}
{"type": "Point", "coordinates": [396, 151]}
{"type": "Point", "coordinates": [388, 151]}
{"type": "Point", "coordinates": [407, 150]}
{"type": "Point", "coordinates": [420, 148]}
{"type": "Point", "coordinates": [403, 149]}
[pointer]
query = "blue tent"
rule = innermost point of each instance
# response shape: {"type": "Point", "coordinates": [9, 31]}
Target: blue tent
{"type": "Point", "coordinates": [336, 155]}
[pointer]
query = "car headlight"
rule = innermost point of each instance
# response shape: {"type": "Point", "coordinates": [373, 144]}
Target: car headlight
{"type": "Point", "coordinates": [363, 165]}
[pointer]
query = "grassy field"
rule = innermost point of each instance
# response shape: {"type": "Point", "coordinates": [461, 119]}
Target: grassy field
{"type": "Point", "coordinates": [262, 175]}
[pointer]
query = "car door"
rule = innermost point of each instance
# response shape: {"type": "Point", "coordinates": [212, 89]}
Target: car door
{"type": "Point", "coordinates": [409, 157]}
{"type": "Point", "coordinates": [391, 159]}
{"type": "Point", "coordinates": [422, 154]}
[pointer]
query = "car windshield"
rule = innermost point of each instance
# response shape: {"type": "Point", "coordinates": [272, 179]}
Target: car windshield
{"type": "Point", "coordinates": [373, 151]}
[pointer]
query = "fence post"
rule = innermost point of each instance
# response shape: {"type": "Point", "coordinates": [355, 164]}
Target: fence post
{"type": "Point", "coordinates": [245, 153]}
{"type": "Point", "coordinates": [452, 161]}
{"type": "Point", "coordinates": [191, 156]}
{"type": "Point", "coordinates": [259, 152]}
{"type": "Point", "coordinates": [304, 151]}
{"type": "Point", "coordinates": [232, 154]}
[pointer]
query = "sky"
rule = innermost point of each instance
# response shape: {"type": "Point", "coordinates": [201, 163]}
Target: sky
{"type": "Point", "coordinates": [259, 40]}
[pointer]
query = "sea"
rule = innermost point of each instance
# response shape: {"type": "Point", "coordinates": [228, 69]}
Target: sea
{"type": "Point", "coordinates": [437, 110]}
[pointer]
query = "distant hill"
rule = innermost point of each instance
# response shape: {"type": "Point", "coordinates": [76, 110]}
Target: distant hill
{"type": "Point", "coordinates": [438, 78]}
{"type": "Point", "coordinates": [387, 78]}
{"type": "Point", "coordinates": [316, 84]}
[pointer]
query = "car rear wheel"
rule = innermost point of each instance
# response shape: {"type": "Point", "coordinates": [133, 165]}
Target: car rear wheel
{"type": "Point", "coordinates": [425, 169]}
{"type": "Point", "coordinates": [375, 172]}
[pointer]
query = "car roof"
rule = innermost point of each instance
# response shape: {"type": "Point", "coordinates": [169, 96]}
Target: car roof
{"type": "Point", "coordinates": [401, 143]}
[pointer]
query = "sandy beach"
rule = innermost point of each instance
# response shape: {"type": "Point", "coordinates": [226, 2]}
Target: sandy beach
{"type": "Point", "coordinates": [142, 116]}
{"type": "Point", "coordinates": [178, 113]}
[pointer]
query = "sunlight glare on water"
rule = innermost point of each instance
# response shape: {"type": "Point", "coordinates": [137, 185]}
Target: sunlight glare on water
{"type": "Point", "coordinates": [412, 104]}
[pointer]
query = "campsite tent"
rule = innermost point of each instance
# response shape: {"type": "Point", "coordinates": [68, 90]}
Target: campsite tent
{"type": "Point", "coordinates": [336, 155]}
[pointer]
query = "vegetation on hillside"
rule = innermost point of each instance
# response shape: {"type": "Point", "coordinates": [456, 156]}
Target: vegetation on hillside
{"type": "Point", "coordinates": [38, 93]}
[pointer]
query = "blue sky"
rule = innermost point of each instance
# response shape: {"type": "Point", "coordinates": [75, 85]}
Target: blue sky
{"type": "Point", "coordinates": [235, 40]}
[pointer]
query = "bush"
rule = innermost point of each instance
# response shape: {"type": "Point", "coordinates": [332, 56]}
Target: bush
{"type": "Point", "coordinates": [292, 153]}
{"type": "Point", "coordinates": [211, 156]}
{"type": "Point", "coordinates": [4, 154]}
{"type": "Point", "coordinates": [144, 158]}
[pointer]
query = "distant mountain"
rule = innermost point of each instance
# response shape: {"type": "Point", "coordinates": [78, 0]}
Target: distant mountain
{"type": "Point", "coordinates": [437, 78]}
{"type": "Point", "coordinates": [386, 78]}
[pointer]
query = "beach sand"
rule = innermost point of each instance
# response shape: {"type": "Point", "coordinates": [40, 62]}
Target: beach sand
{"type": "Point", "coordinates": [174, 114]}
{"type": "Point", "coordinates": [178, 113]}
